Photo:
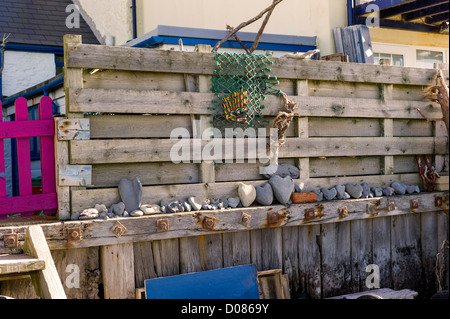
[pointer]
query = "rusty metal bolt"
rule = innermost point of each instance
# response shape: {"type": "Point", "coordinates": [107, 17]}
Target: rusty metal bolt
{"type": "Point", "coordinates": [245, 219]}
{"type": "Point", "coordinates": [74, 234]}
{"type": "Point", "coordinates": [209, 222]}
{"type": "Point", "coordinates": [414, 204]}
{"type": "Point", "coordinates": [10, 240]}
{"type": "Point", "coordinates": [272, 218]}
{"type": "Point", "coordinates": [343, 212]}
{"type": "Point", "coordinates": [391, 205]}
{"type": "Point", "coordinates": [118, 229]}
{"type": "Point", "coordinates": [310, 214]}
{"type": "Point", "coordinates": [437, 201]}
{"type": "Point", "coordinates": [371, 208]}
{"type": "Point", "coordinates": [162, 225]}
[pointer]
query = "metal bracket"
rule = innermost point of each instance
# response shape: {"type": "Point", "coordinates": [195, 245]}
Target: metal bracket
{"type": "Point", "coordinates": [162, 225]}
{"type": "Point", "coordinates": [310, 214]}
{"type": "Point", "coordinates": [391, 205]}
{"type": "Point", "coordinates": [74, 234]}
{"type": "Point", "coordinates": [414, 204]}
{"type": "Point", "coordinates": [438, 201]}
{"type": "Point", "coordinates": [272, 218]}
{"type": "Point", "coordinates": [118, 229]}
{"type": "Point", "coordinates": [11, 240]}
{"type": "Point", "coordinates": [209, 222]}
{"type": "Point", "coordinates": [343, 212]}
{"type": "Point", "coordinates": [245, 219]}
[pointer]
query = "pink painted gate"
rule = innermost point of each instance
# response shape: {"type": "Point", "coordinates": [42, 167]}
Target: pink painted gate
{"type": "Point", "coordinates": [22, 129]}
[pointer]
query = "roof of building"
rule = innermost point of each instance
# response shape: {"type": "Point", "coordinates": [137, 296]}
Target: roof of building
{"type": "Point", "coordinates": [40, 22]}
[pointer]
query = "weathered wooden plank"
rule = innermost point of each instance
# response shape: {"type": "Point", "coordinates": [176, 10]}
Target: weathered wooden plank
{"type": "Point", "coordinates": [72, 129]}
{"type": "Point", "coordinates": [79, 271]}
{"type": "Point", "coordinates": [15, 264]}
{"type": "Point", "coordinates": [128, 101]}
{"type": "Point", "coordinates": [98, 232]}
{"type": "Point", "coordinates": [46, 282]}
{"type": "Point", "coordinates": [344, 89]}
{"type": "Point", "coordinates": [310, 267]}
{"type": "Point", "coordinates": [291, 257]}
{"type": "Point", "coordinates": [166, 256]}
{"type": "Point", "coordinates": [236, 248]}
{"type": "Point", "coordinates": [360, 127]}
{"type": "Point", "coordinates": [141, 59]}
{"type": "Point", "coordinates": [75, 175]}
{"type": "Point", "coordinates": [412, 127]}
{"type": "Point", "coordinates": [381, 239]}
{"type": "Point", "coordinates": [116, 262]}
{"type": "Point", "coordinates": [147, 150]}
{"type": "Point", "coordinates": [345, 166]}
{"type": "Point", "coordinates": [336, 259]}
{"type": "Point", "coordinates": [135, 126]}
{"type": "Point", "coordinates": [406, 252]}
{"type": "Point", "coordinates": [144, 265]}
{"type": "Point", "coordinates": [361, 253]}
{"type": "Point", "coordinates": [109, 175]}
{"type": "Point", "coordinates": [429, 248]}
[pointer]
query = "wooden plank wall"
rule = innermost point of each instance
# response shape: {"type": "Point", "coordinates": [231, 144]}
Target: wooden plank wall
{"type": "Point", "coordinates": [354, 123]}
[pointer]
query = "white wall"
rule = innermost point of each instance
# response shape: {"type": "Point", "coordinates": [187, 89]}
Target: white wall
{"type": "Point", "coordinates": [24, 69]}
{"type": "Point", "coordinates": [109, 17]}
{"type": "Point", "coordinates": [290, 17]}
{"type": "Point", "coordinates": [8, 170]}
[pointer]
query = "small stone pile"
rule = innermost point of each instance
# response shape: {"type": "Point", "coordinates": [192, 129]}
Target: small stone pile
{"type": "Point", "coordinates": [280, 188]}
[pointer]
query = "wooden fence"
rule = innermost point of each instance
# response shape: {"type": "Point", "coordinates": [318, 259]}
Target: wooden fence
{"type": "Point", "coordinates": [355, 123]}
{"type": "Point", "coordinates": [22, 129]}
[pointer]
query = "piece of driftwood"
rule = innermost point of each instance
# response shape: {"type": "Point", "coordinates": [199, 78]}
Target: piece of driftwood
{"type": "Point", "coordinates": [438, 93]}
{"type": "Point", "coordinates": [383, 293]}
{"type": "Point", "coordinates": [244, 24]}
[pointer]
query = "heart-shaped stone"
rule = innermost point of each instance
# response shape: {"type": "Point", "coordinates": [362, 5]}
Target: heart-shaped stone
{"type": "Point", "coordinates": [388, 191]}
{"type": "Point", "coordinates": [282, 188]}
{"type": "Point", "coordinates": [329, 194]}
{"type": "Point", "coordinates": [131, 193]}
{"type": "Point", "coordinates": [233, 202]}
{"type": "Point", "coordinates": [354, 190]}
{"type": "Point", "coordinates": [247, 194]}
{"type": "Point", "coordinates": [195, 202]}
{"type": "Point", "coordinates": [264, 194]}
{"type": "Point", "coordinates": [399, 188]}
{"type": "Point", "coordinates": [340, 189]}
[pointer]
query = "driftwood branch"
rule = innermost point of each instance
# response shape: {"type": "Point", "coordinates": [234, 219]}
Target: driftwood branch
{"type": "Point", "coordinates": [261, 30]}
{"type": "Point", "coordinates": [239, 40]}
{"type": "Point", "coordinates": [438, 92]}
{"type": "Point", "coordinates": [244, 24]}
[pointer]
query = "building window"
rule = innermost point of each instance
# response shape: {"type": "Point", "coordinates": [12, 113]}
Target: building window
{"type": "Point", "coordinates": [59, 62]}
{"type": "Point", "coordinates": [426, 59]}
{"type": "Point", "coordinates": [396, 59]}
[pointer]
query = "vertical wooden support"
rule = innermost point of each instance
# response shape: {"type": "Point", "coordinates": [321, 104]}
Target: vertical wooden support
{"type": "Point", "coordinates": [310, 266]}
{"type": "Point", "coordinates": [207, 168]}
{"type": "Point", "coordinates": [388, 124]}
{"type": "Point", "coordinates": [303, 130]}
{"type": "Point", "coordinates": [73, 78]}
{"type": "Point", "coordinates": [46, 282]}
{"type": "Point", "coordinates": [117, 264]}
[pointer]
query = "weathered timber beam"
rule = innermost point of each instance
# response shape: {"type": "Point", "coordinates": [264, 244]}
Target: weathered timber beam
{"type": "Point", "coordinates": [99, 232]}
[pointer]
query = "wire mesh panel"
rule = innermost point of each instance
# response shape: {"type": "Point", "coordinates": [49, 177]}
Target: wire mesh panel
{"type": "Point", "coordinates": [241, 83]}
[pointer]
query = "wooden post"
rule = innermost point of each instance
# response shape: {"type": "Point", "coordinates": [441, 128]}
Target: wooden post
{"type": "Point", "coordinates": [303, 130]}
{"type": "Point", "coordinates": [117, 264]}
{"type": "Point", "coordinates": [73, 79]}
{"type": "Point", "coordinates": [388, 124]}
{"type": "Point", "coordinates": [46, 282]}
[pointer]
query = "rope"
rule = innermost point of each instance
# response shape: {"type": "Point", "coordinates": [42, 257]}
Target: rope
{"type": "Point", "coordinates": [284, 118]}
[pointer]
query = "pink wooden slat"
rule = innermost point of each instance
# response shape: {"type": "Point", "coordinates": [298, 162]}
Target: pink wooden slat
{"type": "Point", "coordinates": [23, 153]}
{"type": "Point", "coordinates": [27, 129]}
{"type": "Point", "coordinates": [19, 204]}
{"type": "Point", "coordinates": [2, 164]}
{"type": "Point", "coordinates": [47, 146]}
